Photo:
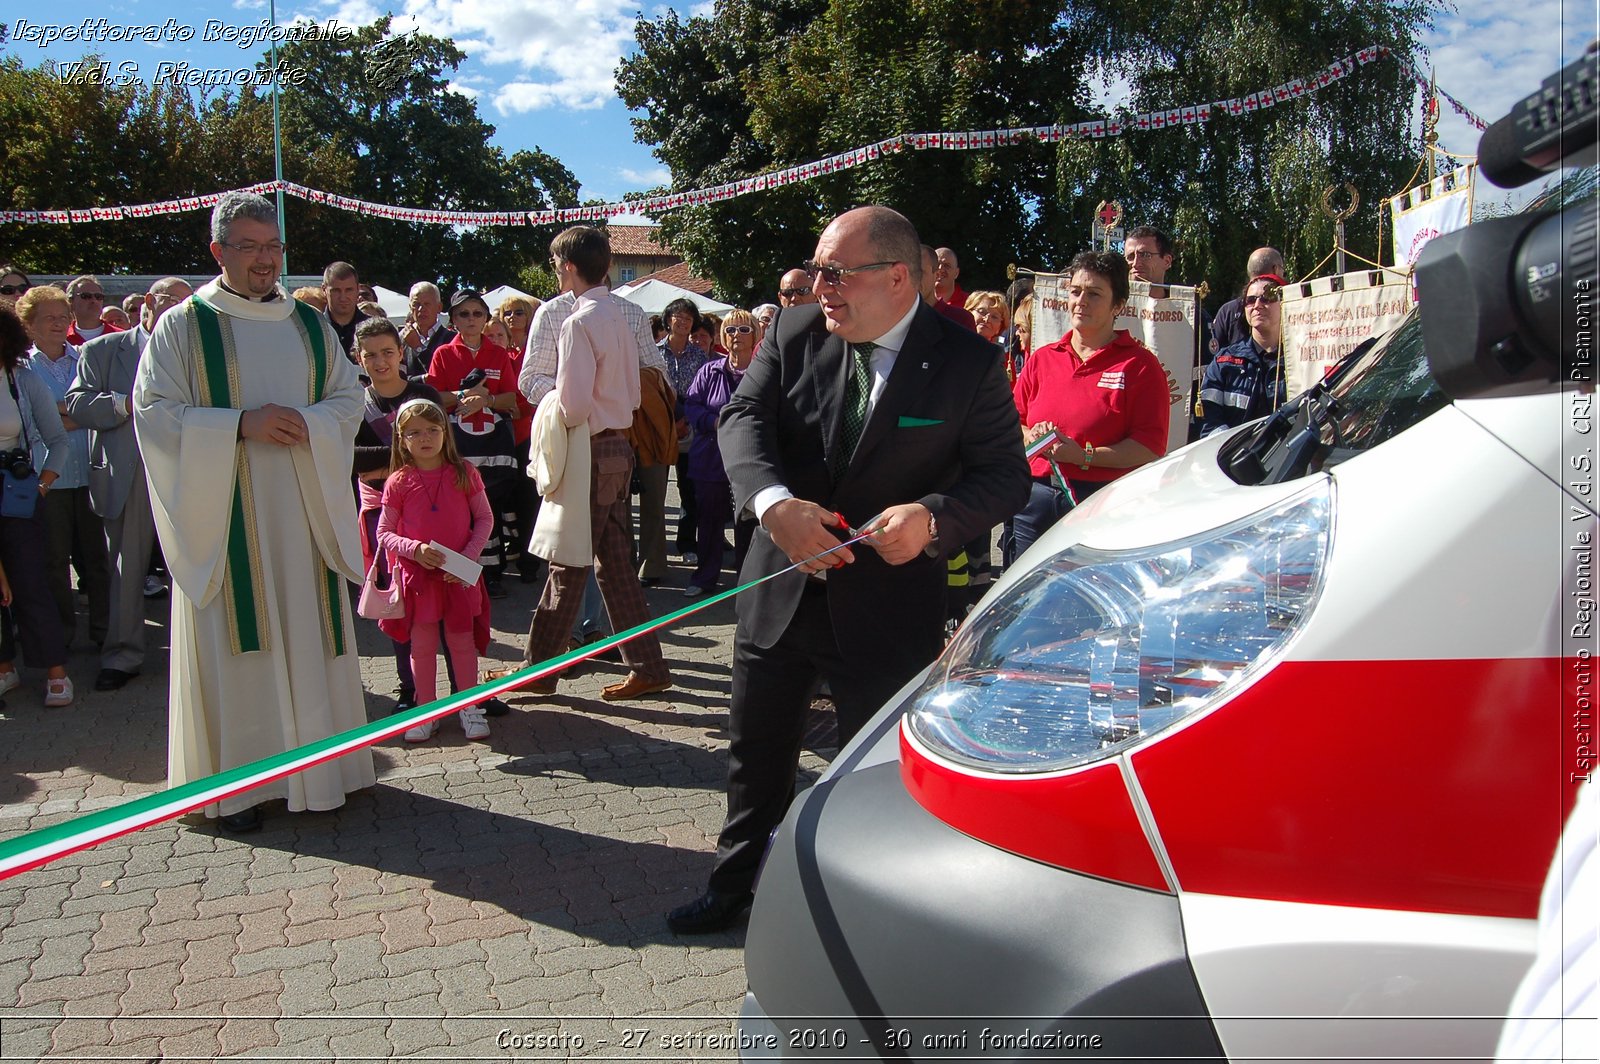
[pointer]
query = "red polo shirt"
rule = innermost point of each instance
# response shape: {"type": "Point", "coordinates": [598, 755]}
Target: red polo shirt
{"type": "Point", "coordinates": [1117, 393]}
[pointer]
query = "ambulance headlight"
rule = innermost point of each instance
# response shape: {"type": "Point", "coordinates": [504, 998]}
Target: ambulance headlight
{"type": "Point", "coordinates": [1095, 651]}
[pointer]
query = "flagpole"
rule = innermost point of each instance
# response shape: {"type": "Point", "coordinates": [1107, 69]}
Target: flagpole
{"type": "Point", "coordinates": [277, 138]}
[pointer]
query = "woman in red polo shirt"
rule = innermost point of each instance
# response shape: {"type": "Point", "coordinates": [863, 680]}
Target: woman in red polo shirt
{"type": "Point", "coordinates": [1103, 391]}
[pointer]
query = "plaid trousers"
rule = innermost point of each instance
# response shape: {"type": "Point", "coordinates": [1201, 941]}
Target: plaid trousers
{"type": "Point", "coordinates": [610, 468]}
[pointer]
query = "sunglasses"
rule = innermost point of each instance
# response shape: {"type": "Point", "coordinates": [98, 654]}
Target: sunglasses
{"type": "Point", "coordinates": [738, 330]}
{"type": "Point", "coordinates": [463, 313]}
{"type": "Point", "coordinates": [792, 293]}
{"type": "Point", "coordinates": [1271, 295]}
{"type": "Point", "coordinates": [13, 289]}
{"type": "Point", "coordinates": [835, 275]}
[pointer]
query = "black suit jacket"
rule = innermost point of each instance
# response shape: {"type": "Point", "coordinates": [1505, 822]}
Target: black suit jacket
{"type": "Point", "coordinates": [945, 433]}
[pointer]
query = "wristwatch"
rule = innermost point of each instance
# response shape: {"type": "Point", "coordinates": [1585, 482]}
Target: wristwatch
{"type": "Point", "coordinates": [1088, 454]}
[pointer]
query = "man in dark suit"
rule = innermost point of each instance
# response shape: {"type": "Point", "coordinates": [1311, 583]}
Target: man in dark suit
{"type": "Point", "coordinates": [934, 458]}
{"type": "Point", "coordinates": [99, 401]}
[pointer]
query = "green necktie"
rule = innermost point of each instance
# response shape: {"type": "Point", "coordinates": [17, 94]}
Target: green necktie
{"type": "Point", "coordinates": [857, 393]}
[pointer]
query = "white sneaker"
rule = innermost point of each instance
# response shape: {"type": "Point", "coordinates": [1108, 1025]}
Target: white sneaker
{"type": "Point", "coordinates": [421, 733]}
{"type": "Point", "coordinates": [473, 724]}
{"type": "Point", "coordinates": [9, 681]}
{"type": "Point", "coordinates": [58, 692]}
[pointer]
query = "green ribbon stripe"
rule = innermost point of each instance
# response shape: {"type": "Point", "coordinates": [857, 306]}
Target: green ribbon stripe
{"type": "Point", "coordinates": [43, 845]}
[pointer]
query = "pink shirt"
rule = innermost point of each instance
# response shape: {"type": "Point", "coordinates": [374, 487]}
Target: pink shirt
{"type": "Point", "coordinates": [423, 506]}
{"type": "Point", "coordinates": [597, 369]}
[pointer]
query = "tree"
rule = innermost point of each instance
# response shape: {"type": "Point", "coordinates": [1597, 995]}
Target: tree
{"type": "Point", "coordinates": [387, 131]}
{"type": "Point", "coordinates": [407, 138]}
{"type": "Point", "coordinates": [765, 85]}
{"type": "Point", "coordinates": [1238, 182]}
{"type": "Point", "coordinates": [770, 83]}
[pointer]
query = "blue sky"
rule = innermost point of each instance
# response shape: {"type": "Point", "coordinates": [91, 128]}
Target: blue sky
{"type": "Point", "coordinates": [541, 70]}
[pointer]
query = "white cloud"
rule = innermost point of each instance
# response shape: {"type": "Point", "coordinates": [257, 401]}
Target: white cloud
{"type": "Point", "coordinates": [564, 51]}
{"type": "Point", "coordinates": [461, 88]}
{"type": "Point", "coordinates": [249, 5]}
{"type": "Point", "coordinates": [1489, 54]}
{"type": "Point", "coordinates": [644, 179]}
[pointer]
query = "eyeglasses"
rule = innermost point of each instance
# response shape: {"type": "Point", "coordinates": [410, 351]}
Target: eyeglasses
{"type": "Point", "coordinates": [461, 313]}
{"type": "Point", "coordinates": [274, 248]}
{"type": "Point", "coordinates": [1271, 295]}
{"type": "Point", "coordinates": [835, 275]}
{"type": "Point", "coordinates": [13, 289]}
{"type": "Point", "coordinates": [738, 330]}
{"type": "Point", "coordinates": [416, 434]}
{"type": "Point", "coordinates": [1140, 253]}
{"type": "Point", "coordinates": [515, 313]}
{"type": "Point", "coordinates": [93, 296]}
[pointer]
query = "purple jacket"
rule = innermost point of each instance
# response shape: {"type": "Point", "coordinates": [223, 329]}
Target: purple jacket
{"type": "Point", "coordinates": [712, 387]}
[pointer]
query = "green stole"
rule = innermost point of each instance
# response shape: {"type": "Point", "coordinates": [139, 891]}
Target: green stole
{"type": "Point", "coordinates": [244, 594]}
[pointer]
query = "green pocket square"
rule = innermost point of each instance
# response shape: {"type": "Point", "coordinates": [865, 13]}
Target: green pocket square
{"type": "Point", "coordinates": [919, 422]}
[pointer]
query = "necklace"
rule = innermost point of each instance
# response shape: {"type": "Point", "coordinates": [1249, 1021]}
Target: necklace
{"type": "Point", "coordinates": [433, 492]}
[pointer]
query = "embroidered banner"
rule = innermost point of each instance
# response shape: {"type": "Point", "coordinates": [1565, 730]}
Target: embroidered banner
{"type": "Point", "coordinates": [1326, 318]}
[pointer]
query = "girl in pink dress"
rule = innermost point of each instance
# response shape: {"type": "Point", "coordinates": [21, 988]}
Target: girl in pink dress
{"type": "Point", "coordinates": [433, 496]}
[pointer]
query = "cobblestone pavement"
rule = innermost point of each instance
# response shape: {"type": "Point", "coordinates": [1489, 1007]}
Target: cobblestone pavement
{"type": "Point", "coordinates": [486, 901]}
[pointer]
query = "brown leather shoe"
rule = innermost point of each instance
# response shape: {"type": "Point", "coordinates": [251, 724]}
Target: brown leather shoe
{"type": "Point", "coordinates": [545, 685]}
{"type": "Point", "coordinates": [633, 687]}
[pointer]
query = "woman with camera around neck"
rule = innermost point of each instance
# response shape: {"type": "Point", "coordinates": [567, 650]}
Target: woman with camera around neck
{"type": "Point", "coordinates": [28, 417]}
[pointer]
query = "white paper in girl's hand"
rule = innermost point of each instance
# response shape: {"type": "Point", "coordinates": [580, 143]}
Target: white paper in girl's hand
{"type": "Point", "coordinates": [457, 564]}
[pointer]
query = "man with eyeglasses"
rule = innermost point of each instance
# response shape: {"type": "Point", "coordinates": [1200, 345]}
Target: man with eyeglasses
{"type": "Point", "coordinates": [88, 299]}
{"type": "Point", "coordinates": [100, 400]}
{"type": "Point", "coordinates": [1149, 254]}
{"type": "Point", "coordinates": [945, 289]}
{"type": "Point", "coordinates": [794, 289]}
{"type": "Point", "coordinates": [246, 412]}
{"type": "Point", "coordinates": [869, 411]}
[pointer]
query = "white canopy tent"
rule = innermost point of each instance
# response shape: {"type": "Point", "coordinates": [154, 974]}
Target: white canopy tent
{"type": "Point", "coordinates": [495, 296]}
{"type": "Point", "coordinates": [396, 306]}
{"type": "Point", "coordinates": [653, 295]}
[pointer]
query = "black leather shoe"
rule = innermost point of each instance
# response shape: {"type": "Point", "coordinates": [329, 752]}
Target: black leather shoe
{"type": "Point", "coordinates": [712, 911]}
{"type": "Point", "coordinates": [242, 823]}
{"type": "Point", "coordinates": [112, 679]}
{"type": "Point", "coordinates": [496, 588]}
{"type": "Point", "coordinates": [493, 707]}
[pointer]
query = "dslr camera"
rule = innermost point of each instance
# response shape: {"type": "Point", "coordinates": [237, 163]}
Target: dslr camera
{"type": "Point", "coordinates": [18, 462]}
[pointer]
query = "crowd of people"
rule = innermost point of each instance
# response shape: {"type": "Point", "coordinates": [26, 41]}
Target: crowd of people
{"type": "Point", "coordinates": [426, 460]}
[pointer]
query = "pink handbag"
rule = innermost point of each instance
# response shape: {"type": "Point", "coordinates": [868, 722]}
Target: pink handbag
{"type": "Point", "coordinates": [379, 603]}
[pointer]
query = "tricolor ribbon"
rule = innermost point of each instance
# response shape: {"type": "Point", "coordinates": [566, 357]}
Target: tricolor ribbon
{"type": "Point", "coordinates": [37, 848]}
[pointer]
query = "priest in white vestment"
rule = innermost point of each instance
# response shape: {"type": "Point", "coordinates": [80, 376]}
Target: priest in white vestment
{"type": "Point", "coordinates": [246, 412]}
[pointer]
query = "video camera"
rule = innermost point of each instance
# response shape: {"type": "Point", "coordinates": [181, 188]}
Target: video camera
{"type": "Point", "coordinates": [1508, 304]}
